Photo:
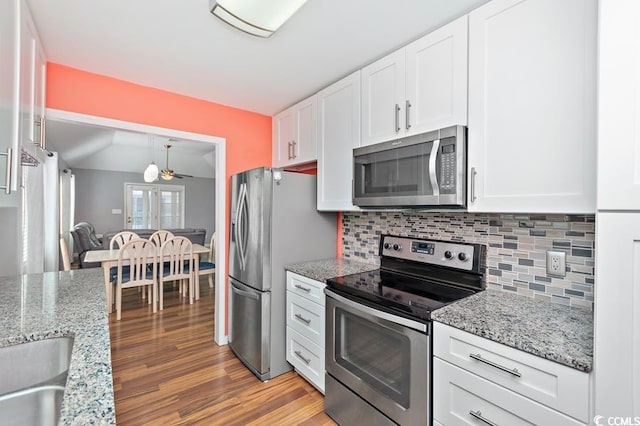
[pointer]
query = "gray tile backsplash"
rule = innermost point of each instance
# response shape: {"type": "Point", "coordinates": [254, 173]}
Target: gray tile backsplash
{"type": "Point", "coordinates": [516, 247]}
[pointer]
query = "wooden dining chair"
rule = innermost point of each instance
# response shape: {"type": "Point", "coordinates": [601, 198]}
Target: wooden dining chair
{"type": "Point", "coordinates": [139, 255]}
{"type": "Point", "coordinates": [117, 241]}
{"type": "Point", "coordinates": [159, 237]}
{"type": "Point", "coordinates": [64, 254]}
{"type": "Point", "coordinates": [208, 267]}
{"type": "Point", "coordinates": [177, 257]}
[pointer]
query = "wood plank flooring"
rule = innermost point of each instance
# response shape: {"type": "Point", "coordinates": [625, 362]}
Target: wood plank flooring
{"type": "Point", "coordinates": [167, 370]}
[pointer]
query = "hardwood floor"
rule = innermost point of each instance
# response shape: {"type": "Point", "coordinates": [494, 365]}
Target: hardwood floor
{"type": "Point", "coordinates": [167, 370]}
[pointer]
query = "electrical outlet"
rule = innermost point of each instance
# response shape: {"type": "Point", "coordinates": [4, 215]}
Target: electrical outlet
{"type": "Point", "coordinates": [556, 263]}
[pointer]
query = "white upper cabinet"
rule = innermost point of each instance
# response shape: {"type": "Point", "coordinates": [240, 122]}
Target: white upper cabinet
{"type": "Point", "coordinates": [418, 88]}
{"type": "Point", "coordinates": [294, 134]}
{"type": "Point", "coordinates": [619, 106]}
{"type": "Point", "coordinates": [532, 110]}
{"type": "Point", "coordinates": [436, 85]}
{"type": "Point", "coordinates": [338, 134]}
{"type": "Point", "coordinates": [32, 85]}
{"type": "Point", "coordinates": [9, 87]}
{"type": "Point", "coordinates": [383, 98]}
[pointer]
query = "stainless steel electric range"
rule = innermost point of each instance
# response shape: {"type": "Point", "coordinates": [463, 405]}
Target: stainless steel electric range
{"type": "Point", "coordinates": [378, 340]}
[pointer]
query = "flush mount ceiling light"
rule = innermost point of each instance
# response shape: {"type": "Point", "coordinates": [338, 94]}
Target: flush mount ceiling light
{"type": "Point", "coordinates": [256, 17]}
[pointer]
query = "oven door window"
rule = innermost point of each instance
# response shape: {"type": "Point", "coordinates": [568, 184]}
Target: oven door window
{"type": "Point", "coordinates": [377, 355]}
{"type": "Point", "coordinates": [397, 172]}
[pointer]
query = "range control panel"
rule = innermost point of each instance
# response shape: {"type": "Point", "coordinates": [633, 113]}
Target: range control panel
{"type": "Point", "coordinates": [442, 253]}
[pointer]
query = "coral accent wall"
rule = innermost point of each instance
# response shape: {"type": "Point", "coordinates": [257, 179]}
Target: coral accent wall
{"type": "Point", "coordinates": [247, 134]}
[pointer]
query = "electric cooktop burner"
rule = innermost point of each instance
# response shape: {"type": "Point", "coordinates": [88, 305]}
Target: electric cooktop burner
{"type": "Point", "coordinates": [416, 276]}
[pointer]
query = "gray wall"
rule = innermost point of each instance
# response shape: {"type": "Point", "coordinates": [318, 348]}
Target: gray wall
{"type": "Point", "coordinates": [99, 191]}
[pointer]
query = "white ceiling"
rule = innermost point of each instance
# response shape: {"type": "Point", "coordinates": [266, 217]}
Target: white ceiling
{"type": "Point", "coordinates": [178, 46]}
{"type": "Point", "coordinates": [84, 146]}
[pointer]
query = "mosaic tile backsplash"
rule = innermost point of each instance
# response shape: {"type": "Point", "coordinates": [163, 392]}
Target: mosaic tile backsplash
{"type": "Point", "coordinates": [516, 247]}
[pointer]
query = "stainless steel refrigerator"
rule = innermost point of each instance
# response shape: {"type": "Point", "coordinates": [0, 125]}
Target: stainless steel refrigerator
{"type": "Point", "coordinates": [274, 222]}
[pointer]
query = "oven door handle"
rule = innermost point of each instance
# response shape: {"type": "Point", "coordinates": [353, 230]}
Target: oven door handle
{"type": "Point", "coordinates": [376, 313]}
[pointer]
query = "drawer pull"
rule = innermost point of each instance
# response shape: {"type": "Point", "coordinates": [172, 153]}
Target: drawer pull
{"type": "Point", "coordinates": [478, 357]}
{"type": "Point", "coordinates": [303, 319]}
{"type": "Point", "coordinates": [303, 288]}
{"type": "Point", "coordinates": [478, 415]}
{"type": "Point", "coordinates": [299, 355]}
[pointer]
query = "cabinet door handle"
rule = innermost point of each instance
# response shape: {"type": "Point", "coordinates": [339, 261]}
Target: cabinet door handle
{"type": "Point", "coordinates": [407, 107]}
{"type": "Point", "coordinates": [303, 319]}
{"type": "Point", "coordinates": [478, 357]}
{"type": "Point", "coordinates": [303, 288]}
{"type": "Point", "coordinates": [299, 355]}
{"type": "Point", "coordinates": [397, 112]}
{"type": "Point", "coordinates": [473, 185]}
{"type": "Point", "coordinates": [478, 415]}
{"type": "Point", "coordinates": [7, 180]}
{"type": "Point", "coordinates": [288, 150]}
{"type": "Point", "coordinates": [293, 149]}
{"type": "Point", "coordinates": [43, 132]}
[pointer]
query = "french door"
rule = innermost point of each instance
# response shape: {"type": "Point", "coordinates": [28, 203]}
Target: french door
{"type": "Point", "coordinates": [149, 206]}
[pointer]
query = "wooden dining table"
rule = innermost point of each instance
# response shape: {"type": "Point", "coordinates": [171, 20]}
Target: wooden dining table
{"type": "Point", "coordinates": [109, 259]}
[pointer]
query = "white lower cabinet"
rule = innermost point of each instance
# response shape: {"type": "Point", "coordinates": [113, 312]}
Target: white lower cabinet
{"type": "Point", "coordinates": [477, 381]}
{"type": "Point", "coordinates": [305, 328]}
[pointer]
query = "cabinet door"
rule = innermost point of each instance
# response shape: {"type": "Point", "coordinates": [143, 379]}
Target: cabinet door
{"type": "Point", "coordinates": [531, 141]}
{"type": "Point", "coordinates": [437, 79]}
{"type": "Point", "coordinates": [338, 134]}
{"type": "Point", "coordinates": [616, 316]}
{"type": "Point", "coordinates": [619, 106]}
{"type": "Point", "coordinates": [283, 128]}
{"type": "Point", "coordinates": [304, 141]}
{"type": "Point", "coordinates": [9, 85]}
{"type": "Point", "coordinates": [383, 99]}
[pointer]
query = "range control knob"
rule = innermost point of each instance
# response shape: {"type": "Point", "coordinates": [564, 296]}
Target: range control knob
{"type": "Point", "coordinates": [463, 257]}
{"type": "Point", "coordinates": [387, 246]}
{"type": "Point", "coordinates": [448, 254]}
{"type": "Point", "coordinates": [397, 247]}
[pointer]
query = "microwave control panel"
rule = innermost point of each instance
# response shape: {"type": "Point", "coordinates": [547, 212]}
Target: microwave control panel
{"type": "Point", "coordinates": [448, 161]}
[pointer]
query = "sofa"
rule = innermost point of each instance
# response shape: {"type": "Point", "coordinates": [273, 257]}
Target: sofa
{"type": "Point", "coordinates": [196, 235]}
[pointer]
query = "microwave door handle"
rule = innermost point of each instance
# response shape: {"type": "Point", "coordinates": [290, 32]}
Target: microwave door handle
{"type": "Point", "coordinates": [433, 161]}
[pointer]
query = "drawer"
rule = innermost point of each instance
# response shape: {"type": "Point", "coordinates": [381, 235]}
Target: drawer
{"type": "Point", "coordinates": [557, 386]}
{"type": "Point", "coordinates": [306, 357]}
{"type": "Point", "coordinates": [457, 393]}
{"type": "Point", "coordinates": [306, 287]}
{"type": "Point", "coordinates": [306, 317]}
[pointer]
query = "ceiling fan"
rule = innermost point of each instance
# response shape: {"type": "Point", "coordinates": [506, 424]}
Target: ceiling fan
{"type": "Point", "coordinates": [167, 173]}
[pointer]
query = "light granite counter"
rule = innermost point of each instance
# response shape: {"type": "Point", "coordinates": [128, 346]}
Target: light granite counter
{"type": "Point", "coordinates": [321, 270]}
{"type": "Point", "coordinates": [55, 304]}
{"type": "Point", "coordinates": [554, 332]}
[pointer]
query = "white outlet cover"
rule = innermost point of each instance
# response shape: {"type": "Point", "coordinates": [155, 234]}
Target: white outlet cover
{"type": "Point", "coordinates": [116, 211]}
{"type": "Point", "coordinates": [556, 263]}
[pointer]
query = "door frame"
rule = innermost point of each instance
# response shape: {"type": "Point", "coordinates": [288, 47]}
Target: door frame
{"type": "Point", "coordinates": [220, 308]}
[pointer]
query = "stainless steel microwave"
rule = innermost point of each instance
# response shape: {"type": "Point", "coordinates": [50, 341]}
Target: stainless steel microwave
{"type": "Point", "coordinates": [425, 170]}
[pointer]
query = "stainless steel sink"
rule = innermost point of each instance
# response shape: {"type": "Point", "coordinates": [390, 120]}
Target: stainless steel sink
{"type": "Point", "coordinates": [32, 380]}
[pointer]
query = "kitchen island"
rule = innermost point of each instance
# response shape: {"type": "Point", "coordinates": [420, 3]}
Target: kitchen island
{"type": "Point", "coordinates": [57, 304]}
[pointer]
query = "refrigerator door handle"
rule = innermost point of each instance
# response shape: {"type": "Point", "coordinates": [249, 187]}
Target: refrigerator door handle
{"type": "Point", "coordinates": [239, 248]}
{"type": "Point", "coordinates": [244, 293]}
{"type": "Point", "coordinates": [245, 231]}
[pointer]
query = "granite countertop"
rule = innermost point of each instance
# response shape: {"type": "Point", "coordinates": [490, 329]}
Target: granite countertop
{"type": "Point", "coordinates": [321, 270]}
{"type": "Point", "coordinates": [554, 332]}
{"type": "Point", "coordinates": [56, 304]}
